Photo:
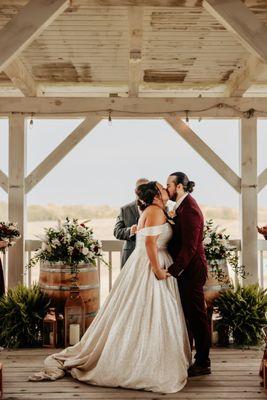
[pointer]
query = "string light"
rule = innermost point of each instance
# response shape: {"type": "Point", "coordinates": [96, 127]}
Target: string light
{"type": "Point", "coordinates": [109, 117]}
{"type": "Point", "coordinates": [187, 116]}
{"type": "Point", "coordinates": [245, 114]}
{"type": "Point", "coordinates": [31, 122]}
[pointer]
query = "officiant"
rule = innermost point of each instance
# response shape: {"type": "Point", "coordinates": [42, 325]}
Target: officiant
{"type": "Point", "coordinates": [126, 225]}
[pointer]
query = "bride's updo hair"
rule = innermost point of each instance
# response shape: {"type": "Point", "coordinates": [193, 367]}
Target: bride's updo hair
{"type": "Point", "coordinates": [146, 194]}
{"type": "Point", "coordinates": [182, 178]}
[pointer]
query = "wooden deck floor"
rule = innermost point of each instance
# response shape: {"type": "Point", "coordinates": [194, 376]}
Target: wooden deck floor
{"type": "Point", "coordinates": [235, 376]}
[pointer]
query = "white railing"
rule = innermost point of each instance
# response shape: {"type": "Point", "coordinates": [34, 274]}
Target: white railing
{"type": "Point", "coordinates": [112, 252]}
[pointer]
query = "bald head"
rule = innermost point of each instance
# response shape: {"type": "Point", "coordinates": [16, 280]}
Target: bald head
{"type": "Point", "coordinates": [141, 181]}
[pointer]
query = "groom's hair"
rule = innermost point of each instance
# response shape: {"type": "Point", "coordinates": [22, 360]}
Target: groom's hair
{"type": "Point", "coordinates": [182, 178]}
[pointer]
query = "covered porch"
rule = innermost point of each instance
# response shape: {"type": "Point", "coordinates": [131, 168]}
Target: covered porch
{"type": "Point", "coordinates": [173, 60]}
{"type": "Point", "coordinates": [235, 376]}
{"type": "Point", "coordinates": [156, 59]}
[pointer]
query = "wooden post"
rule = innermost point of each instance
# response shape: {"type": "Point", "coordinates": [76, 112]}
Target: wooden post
{"type": "Point", "coordinates": [248, 198]}
{"type": "Point", "coordinates": [16, 196]}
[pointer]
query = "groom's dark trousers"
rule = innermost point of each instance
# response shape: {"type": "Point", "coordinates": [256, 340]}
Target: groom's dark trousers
{"type": "Point", "coordinates": [190, 268]}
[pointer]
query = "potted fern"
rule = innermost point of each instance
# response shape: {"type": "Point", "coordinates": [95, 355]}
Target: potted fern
{"type": "Point", "coordinates": [22, 311]}
{"type": "Point", "coordinates": [243, 314]}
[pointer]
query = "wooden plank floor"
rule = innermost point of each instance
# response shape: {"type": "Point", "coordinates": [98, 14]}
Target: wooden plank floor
{"type": "Point", "coordinates": [235, 376]}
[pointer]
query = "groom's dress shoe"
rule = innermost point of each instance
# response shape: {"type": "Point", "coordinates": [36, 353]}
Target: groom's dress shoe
{"type": "Point", "coordinates": [198, 370]}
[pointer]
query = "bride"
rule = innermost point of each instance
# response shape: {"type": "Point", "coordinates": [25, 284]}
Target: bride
{"type": "Point", "coordinates": [138, 339]}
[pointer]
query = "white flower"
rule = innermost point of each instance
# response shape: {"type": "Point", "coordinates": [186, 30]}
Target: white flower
{"type": "Point", "coordinates": [44, 246]}
{"type": "Point", "coordinates": [56, 242]}
{"type": "Point", "coordinates": [85, 251]}
{"type": "Point", "coordinates": [207, 240]}
{"type": "Point", "coordinates": [81, 229]}
{"type": "Point", "coordinates": [70, 249]}
{"type": "Point", "coordinates": [79, 244]}
{"type": "Point", "coordinates": [38, 252]}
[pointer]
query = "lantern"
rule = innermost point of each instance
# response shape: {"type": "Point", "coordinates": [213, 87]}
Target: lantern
{"type": "Point", "coordinates": [50, 328]}
{"type": "Point", "coordinates": [74, 318]}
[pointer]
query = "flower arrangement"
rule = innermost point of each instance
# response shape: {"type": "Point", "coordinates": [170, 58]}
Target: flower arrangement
{"type": "Point", "coordinates": [9, 233]}
{"type": "Point", "coordinates": [70, 243]}
{"type": "Point", "coordinates": [217, 248]}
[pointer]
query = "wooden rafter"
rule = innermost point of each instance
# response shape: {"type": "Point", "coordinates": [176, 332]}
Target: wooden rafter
{"type": "Point", "coordinates": [3, 181]}
{"type": "Point", "coordinates": [262, 180]}
{"type": "Point", "coordinates": [154, 107]}
{"type": "Point", "coordinates": [241, 80]}
{"type": "Point", "coordinates": [21, 78]}
{"type": "Point", "coordinates": [26, 26]}
{"type": "Point", "coordinates": [205, 152]}
{"type": "Point", "coordinates": [60, 152]}
{"type": "Point", "coordinates": [250, 31]}
{"type": "Point", "coordinates": [135, 18]}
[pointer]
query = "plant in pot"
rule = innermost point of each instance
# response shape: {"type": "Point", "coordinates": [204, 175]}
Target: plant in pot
{"type": "Point", "coordinates": [68, 260]}
{"type": "Point", "coordinates": [243, 314]}
{"type": "Point", "coordinates": [22, 311]}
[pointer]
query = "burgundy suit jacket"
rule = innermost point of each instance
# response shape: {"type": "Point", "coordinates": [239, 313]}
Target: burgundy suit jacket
{"type": "Point", "coordinates": [186, 246]}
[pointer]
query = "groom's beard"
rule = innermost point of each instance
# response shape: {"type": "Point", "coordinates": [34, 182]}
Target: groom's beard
{"type": "Point", "coordinates": [174, 197]}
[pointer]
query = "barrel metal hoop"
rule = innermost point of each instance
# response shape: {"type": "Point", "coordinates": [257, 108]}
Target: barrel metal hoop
{"type": "Point", "coordinates": [67, 288]}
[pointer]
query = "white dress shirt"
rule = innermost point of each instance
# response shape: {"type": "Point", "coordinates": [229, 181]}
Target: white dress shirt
{"type": "Point", "coordinates": [179, 202]}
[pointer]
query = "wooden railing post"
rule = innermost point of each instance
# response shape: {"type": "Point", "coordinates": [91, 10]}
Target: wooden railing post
{"type": "Point", "coordinates": [16, 196]}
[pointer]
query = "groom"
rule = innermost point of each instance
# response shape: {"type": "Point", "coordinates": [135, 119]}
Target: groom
{"type": "Point", "coordinates": [190, 267]}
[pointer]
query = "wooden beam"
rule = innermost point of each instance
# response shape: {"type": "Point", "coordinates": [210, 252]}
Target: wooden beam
{"type": "Point", "coordinates": [26, 25]}
{"type": "Point", "coordinates": [241, 80]}
{"type": "Point", "coordinates": [205, 152]}
{"type": "Point", "coordinates": [16, 196]}
{"type": "Point", "coordinates": [3, 181]}
{"type": "Point", "coordinates": [262, 180]}
{"type": "Point", "coordinates": [153, 107]}
{"type": "Point", "coordinates": [243, 23]}
{"type": "Point", "coordinates": [135, 19]}
{"type": "Point", "coordinates": [248, 198]}
{"type": "Point", "coordinates": [21, 78]}
{"type": "Point", "coordinates": [139, 3]}
{"type": "Point", "coordinates": [60, 152]}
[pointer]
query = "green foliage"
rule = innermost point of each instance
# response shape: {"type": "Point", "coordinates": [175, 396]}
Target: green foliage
{"type": "Point", "coordinates": [243, 311]}
{"type": "Point", "coordinates": [217, 248]}
{"type": "Point", "coordinates": [70, 243]}
{"type": "Point", "coordinates": [22, 310]}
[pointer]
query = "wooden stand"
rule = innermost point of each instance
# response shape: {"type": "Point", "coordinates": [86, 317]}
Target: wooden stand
{"type": "Point", "coordinates": [264, 374]}
{"type": "Point", "coordinates": [1, 381]}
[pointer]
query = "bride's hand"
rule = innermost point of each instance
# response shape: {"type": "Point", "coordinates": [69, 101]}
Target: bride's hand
{"type": "Point", "coordinates": [161, 274]}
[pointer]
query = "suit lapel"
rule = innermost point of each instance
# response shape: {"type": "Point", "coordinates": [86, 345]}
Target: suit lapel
{"type": "Point", "coordinates": [134, 211]}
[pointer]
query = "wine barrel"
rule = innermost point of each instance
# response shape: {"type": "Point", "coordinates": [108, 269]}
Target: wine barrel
{"type": "Point", "coordinates": [55, 281]}
{"type": "Point", "coordinates": [213, 287]}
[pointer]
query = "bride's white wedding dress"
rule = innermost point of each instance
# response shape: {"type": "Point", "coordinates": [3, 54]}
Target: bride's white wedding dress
{"type": "Point", "coordinates": [138, 339]}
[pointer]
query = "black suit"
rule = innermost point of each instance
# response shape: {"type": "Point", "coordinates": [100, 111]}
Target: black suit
{"type": "Point", "coordinates": [129, 215]}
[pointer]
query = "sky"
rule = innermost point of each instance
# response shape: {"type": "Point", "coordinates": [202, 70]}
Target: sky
{"type": "Point", "coordinates": [103, 167]}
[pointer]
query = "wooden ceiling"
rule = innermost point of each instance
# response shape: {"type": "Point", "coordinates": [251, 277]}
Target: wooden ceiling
{"type": "Point", "coordinates": [96, 48]}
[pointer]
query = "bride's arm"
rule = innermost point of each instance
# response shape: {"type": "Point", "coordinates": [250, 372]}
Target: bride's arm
{"type": "Point", "coordinates": [152, 252]}
{"type": "Point", "coordinates": [154, 217]}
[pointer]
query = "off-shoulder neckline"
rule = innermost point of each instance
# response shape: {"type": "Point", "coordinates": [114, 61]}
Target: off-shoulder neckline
{"type": "Point", "coordinates": [153, 226]}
